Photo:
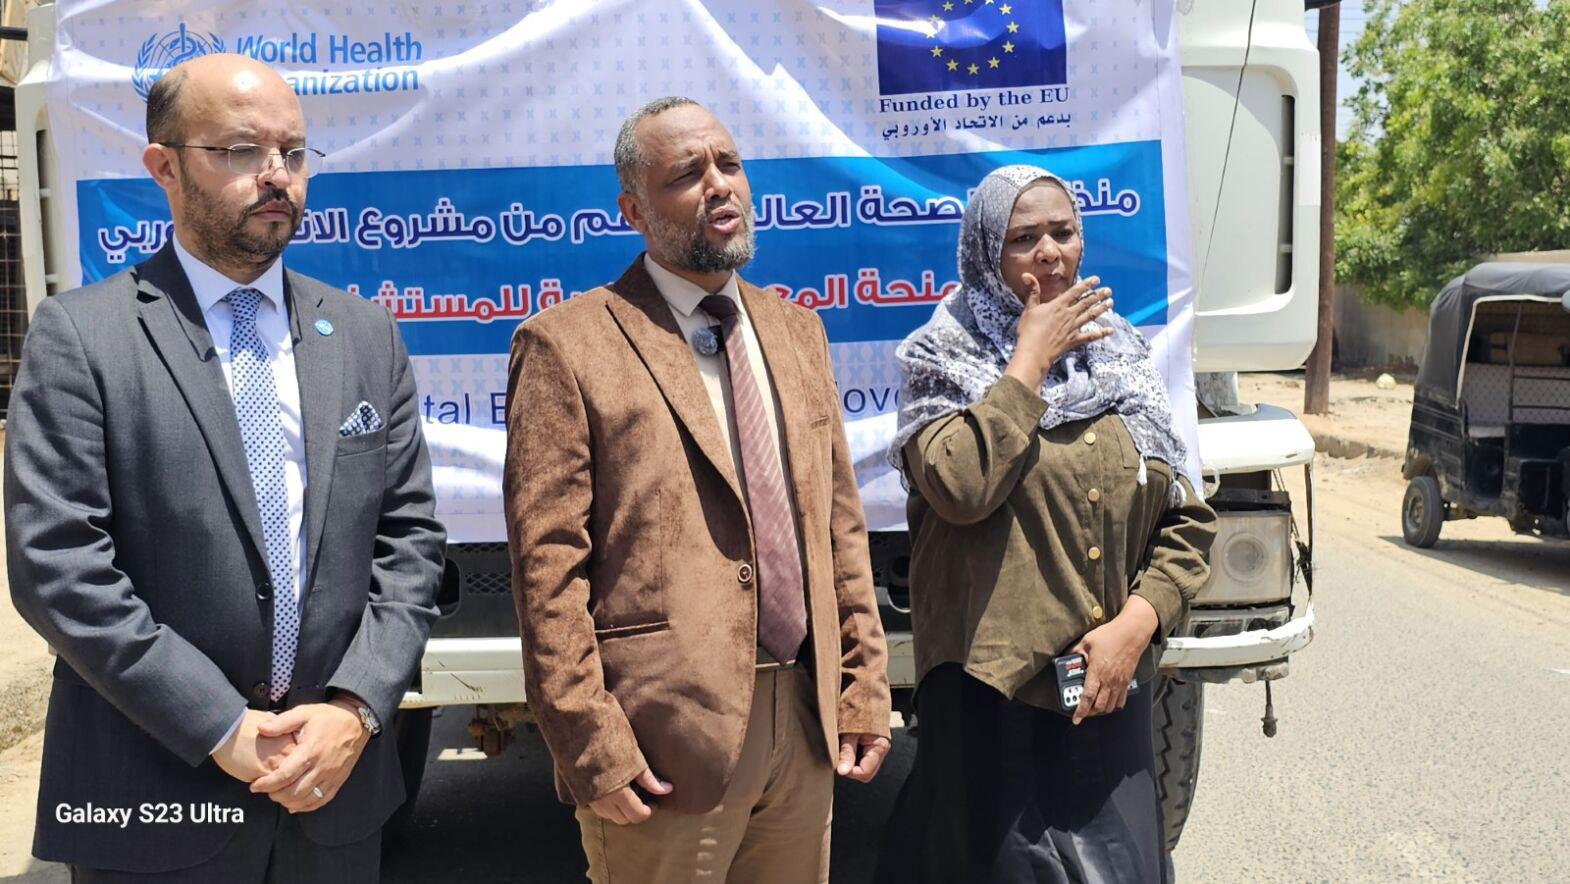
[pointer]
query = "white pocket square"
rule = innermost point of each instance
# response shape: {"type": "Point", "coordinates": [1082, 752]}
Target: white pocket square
{"type": "Point", "coordinates": [362, 420]}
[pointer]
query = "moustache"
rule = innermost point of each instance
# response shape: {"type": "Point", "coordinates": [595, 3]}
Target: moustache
{"type": "Point", "coordinates": [273, 201]}
{"type": "Point", "coordinates": [728, 205]}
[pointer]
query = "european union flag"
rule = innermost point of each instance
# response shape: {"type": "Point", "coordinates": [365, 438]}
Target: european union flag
{"type": "Point", "coordinates": [943, 45]}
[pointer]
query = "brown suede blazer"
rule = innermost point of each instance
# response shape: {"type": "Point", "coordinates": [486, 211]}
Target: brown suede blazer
{"type": "Point", "coordinates": [632, 550]}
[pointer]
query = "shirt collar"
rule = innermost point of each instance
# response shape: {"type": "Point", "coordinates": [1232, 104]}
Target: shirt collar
{"type": "Point", "coordinates": [210, 286]}
{"type": "Point", "coordinates": [683, 294]}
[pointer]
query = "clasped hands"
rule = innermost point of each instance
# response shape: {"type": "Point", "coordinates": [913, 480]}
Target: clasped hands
{"type": "Point", "coordinates": [300, 757]}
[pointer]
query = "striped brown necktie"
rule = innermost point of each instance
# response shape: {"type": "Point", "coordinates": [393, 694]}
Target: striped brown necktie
{"type": "Point", "coordinates": [782, 612]}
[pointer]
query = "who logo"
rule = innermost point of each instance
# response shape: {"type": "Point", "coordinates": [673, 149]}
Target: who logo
{"type": "Point", "coordinates": [162, 52]}
{"type": "Point", "coordinates": [947, 45]}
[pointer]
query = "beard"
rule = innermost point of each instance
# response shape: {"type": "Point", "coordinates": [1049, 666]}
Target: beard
{"type": "Point", "coordinates": [222, 234]}
{"type": "Point", "coordinates": [688, 247]}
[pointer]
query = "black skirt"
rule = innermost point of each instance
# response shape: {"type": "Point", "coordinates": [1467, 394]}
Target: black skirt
{"type": "Point", "coordinates": [1005, 792]}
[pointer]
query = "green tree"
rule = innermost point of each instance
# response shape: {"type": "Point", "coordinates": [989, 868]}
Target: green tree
{"type": "Point", "coordinates": [1460, 145]}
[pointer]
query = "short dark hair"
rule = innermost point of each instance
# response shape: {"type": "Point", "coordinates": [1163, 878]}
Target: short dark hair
{"type": "Point", "coordinates": [629, 153]}
{"type": "Point", "coordinates": [163, 108]}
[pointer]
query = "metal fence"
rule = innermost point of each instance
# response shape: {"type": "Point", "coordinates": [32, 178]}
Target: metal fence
{"type": "Point", "coordinates": [13, 294]}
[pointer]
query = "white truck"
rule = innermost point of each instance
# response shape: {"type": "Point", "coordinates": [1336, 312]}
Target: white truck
{"type": "Point", "coordinates": [1251, 105]}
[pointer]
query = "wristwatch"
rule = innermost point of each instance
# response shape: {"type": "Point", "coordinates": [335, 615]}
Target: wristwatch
{"type": "Point", "coordinates": [368, 719]}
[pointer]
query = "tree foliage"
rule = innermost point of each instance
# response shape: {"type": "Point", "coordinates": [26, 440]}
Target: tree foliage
{"type": "Point", "coordinates": [1460, 145]}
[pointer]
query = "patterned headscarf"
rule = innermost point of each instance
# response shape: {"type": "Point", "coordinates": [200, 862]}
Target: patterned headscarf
{"type": "Point", "coordinates": [950, 363]}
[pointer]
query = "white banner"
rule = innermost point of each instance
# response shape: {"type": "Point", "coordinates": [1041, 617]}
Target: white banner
{"type": "Point", "coordinates": [468, 182]}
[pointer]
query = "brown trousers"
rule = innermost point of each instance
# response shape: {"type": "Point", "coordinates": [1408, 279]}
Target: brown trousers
{"type": "Point", "coordinates": [772, 826]}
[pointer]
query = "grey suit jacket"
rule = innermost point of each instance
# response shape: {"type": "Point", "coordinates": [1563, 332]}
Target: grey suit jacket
{"type": "Point", "coordinates": [135, 548]}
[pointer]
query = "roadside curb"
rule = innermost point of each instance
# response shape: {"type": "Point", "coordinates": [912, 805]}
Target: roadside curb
{"type": "Point", "coordinates": [1332, 445]}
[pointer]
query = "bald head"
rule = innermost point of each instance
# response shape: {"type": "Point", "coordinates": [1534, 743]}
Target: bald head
{"type": "Point", "coordinates": [193, 88]}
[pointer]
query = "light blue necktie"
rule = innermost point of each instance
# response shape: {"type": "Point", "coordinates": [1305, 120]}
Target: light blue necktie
{"type": "Point", "coordinates": [261, 429]}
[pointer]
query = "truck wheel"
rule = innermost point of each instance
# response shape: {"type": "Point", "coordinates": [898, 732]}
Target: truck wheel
{"type": "Point", "coordinates": [1177, 725]}
{"type": "Point", "coordinates": [1422, 512]}
{"type": "Point", "coordinates": [412, 728]}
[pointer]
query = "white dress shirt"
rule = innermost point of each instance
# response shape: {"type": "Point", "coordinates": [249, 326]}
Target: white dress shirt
{"type": "Point", "coordinates": [683, 296]}
{"type": "Point", "coordinates": [272, 326]}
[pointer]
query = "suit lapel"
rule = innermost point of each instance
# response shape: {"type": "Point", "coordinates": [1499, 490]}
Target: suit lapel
{"type": "Point", "coordinates": [177, 330]}
{"type": "Point", "coordinates": [318, 365]}
{"type": "Point", "coordinates": [791, 390]}
{"type": "Point", "coordinates": [647, 322]}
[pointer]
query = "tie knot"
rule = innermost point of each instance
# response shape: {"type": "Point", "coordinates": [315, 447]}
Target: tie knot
{"type": "Point", "coordinates": [244, 302]}
{"type": "Point", "coordinates": [720, 307]}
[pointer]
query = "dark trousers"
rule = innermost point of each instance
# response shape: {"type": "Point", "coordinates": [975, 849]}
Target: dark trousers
{"type": "Point", "coordinates": [1005, 792]}
{"type": "Point", "coordinates": [268, 848]}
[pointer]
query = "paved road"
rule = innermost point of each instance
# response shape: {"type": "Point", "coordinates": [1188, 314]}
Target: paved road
{"type": "Point", "coordinates": [1423, 735]}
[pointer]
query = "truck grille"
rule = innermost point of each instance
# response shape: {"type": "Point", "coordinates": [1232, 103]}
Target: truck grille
{"type": "Point", "coordinates": [485, 609]}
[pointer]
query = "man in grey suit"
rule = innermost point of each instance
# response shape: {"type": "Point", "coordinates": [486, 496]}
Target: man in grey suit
{"type": "Point", "coordinates": [219, 512]}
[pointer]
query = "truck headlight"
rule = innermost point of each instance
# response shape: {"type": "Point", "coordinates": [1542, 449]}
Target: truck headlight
{"type": "Point", "coordinates": [1251, 561]}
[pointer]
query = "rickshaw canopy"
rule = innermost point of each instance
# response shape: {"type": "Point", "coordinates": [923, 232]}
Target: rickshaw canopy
{"type": "Point", "coordinates": [1450, 316]}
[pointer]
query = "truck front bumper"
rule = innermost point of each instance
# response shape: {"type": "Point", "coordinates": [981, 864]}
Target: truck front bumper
{"type": "Point", "coordinates": [1241, 649]}
{"type": "Point", "coordinates": [490, 670]}
{"type": "Point", "coordinates": [468, 670]}
{"type": "Point", "coordinates": [1233, 653]}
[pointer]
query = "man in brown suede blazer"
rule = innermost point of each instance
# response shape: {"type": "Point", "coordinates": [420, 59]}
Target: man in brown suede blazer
{"type": "Point", "coordinates": [701, 641]}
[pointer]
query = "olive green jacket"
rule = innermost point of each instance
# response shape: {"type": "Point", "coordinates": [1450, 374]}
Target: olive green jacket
{"type": "Point", "coordinates": [1026, 539]}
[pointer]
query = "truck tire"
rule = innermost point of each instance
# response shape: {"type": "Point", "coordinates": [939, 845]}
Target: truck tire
{"type": "Point", "coordinates": [412, 728]}
{"type": "Point", "coordinates": [1422, 512]}
{"type": "Point", "coordinates": [1177, 723]}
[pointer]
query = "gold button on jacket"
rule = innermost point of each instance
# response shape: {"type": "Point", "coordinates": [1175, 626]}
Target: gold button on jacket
{"type": "Point", "coordinates": [1002, 520]}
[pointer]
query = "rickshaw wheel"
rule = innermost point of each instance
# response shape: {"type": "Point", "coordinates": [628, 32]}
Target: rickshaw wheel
{"type": "Point", "coordinates": [1422, 512]}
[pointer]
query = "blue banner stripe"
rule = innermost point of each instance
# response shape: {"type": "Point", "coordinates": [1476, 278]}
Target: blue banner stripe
{"type": "Point", "coordinates": [463, 255]}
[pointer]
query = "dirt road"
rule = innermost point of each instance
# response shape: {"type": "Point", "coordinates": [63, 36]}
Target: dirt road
{"type": "Point", "coordinates": [25, 665]}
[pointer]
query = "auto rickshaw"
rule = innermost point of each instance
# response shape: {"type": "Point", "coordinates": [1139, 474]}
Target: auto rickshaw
{"type": "Point", "coordinates": [1490, 432]}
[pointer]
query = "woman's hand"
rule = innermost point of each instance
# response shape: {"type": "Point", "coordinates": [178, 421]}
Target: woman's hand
{"type": "Point", "coordinates": [1112, 650]}
{"type": "Point", "coordinates": [1048, 329]}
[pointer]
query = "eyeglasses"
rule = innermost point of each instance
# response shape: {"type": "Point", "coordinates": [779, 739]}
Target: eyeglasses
{"type": "Point", "coordinates": [253, 159]}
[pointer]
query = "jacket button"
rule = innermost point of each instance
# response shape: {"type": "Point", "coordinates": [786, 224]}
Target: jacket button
{"type": "Point", "coordinates": [744, 573]}
{"type": "Point", "coordinates": [1090, 438]}
{"type": "Point", "coordinates": [259, 691]}
{"type": "Point", "coordinates": [1094, 553]}
{"type": "Point", "coordinates": [1097, 613]}
{"type": "Point", "coordinates": [1093, 495]}
{"type": "Point", "coordinates": [264, 591]}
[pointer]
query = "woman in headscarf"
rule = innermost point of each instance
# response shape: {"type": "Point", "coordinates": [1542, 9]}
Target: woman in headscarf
{"type": "Point", "coordinates": [1048, 515]}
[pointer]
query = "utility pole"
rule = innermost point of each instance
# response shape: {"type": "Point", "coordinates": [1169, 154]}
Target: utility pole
{"type": "Point", "coordinates": [1316, 393]}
